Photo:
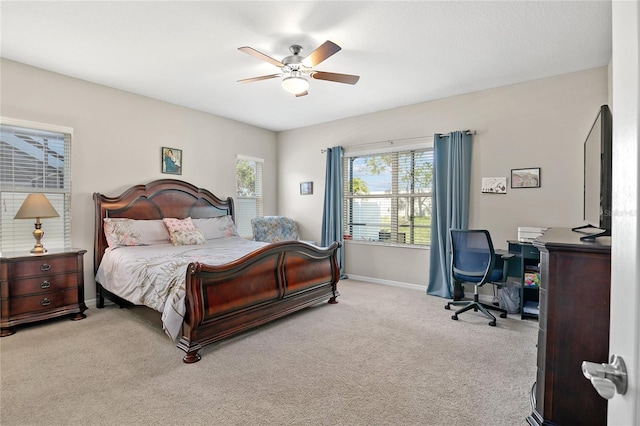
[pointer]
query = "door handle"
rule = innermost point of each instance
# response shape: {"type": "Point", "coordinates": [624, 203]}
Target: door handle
{"type": "Point", "coordinates": [607, 378]}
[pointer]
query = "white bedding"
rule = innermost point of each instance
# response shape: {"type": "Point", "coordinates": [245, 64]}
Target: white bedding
{"type": "Point", "coordinates": [154, 275]}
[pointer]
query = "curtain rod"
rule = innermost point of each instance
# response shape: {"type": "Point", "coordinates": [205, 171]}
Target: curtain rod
{"type": "Point", "coordinates": [392, 141]}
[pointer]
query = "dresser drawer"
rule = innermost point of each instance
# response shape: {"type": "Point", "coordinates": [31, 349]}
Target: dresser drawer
{"type": "Point", "coordinates": [38, 285]}
{"type": "Point", "coordinates": [42, 302]}
{"type": "Point", "coordinates": [40, 266]}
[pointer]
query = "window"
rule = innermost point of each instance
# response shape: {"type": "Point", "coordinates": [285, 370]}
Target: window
{"type": "Point", "coordinates": [34, 158]}
{"type": "Point", "coordinates": [249, 185]}
{"type": "Point", "coordinates": [388, 196]}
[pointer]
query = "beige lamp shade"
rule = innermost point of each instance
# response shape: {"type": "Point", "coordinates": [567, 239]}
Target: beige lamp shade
{"type": "Point", "coordinates": [36, 206]}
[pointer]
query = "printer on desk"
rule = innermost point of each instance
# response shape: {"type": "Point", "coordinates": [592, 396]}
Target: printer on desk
{"type": "Point", "coordinates": [527, 234]}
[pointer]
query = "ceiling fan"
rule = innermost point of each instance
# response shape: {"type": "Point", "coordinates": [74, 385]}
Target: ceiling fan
{"type": "Point", "coordinates": [296, 68]}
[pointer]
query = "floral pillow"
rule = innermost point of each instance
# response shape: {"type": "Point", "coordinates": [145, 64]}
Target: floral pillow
{"type": "Point", "coordinates": [216, 227]}
{"type": "Point", "coordinates": [131, 232]}
{"type": "Point", "coordinates": [183, 237]}
{"type": "Point", "coordinates": [174, 224]}
{"type": "Point", "coordinates": [121, 232]}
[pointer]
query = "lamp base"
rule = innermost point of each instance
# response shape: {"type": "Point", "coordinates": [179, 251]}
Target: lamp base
{"type": "Point", "coordinates": [38, 233]}
{"type": "Point", "coordinates": [38, 250]}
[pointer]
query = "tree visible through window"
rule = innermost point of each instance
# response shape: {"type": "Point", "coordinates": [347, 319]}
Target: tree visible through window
{"type": "Point", "coordinates": [249, 193]}
{"type": "Point", "coordinates": [388, 197]}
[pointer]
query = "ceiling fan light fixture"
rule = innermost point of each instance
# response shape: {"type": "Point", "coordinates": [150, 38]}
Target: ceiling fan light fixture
{"type": "Point", "coordinates": [295, 83]}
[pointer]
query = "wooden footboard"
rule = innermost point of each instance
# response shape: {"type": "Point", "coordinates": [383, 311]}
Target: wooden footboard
{"type": "Point", "coordinates": [225, 300]}
{"type": "Point", "coordinates": [270, 283]}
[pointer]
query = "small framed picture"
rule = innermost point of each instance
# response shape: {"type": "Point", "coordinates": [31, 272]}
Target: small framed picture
{"type": "Point", "coordinates": [306, 188]}
{"type": "Point", "coordinates": [171, 161]}
{"type": "Point", "coordinates": [494, 185]}
{"type": "Point", "coordinates": [525, 178]}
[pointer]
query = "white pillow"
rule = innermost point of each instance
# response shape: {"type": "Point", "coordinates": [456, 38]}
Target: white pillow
{"type": "Point", "coordinates": [131, 232]}
{"type": "Point", "coordinates": [216, 227]}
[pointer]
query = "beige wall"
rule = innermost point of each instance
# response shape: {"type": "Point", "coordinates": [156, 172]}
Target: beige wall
{"type": "Point", "coordinates": [118, 137]}
{"type": "Point", "coordinates": [542, 123]}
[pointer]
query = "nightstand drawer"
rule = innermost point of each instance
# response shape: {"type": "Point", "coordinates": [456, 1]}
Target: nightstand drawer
{"type": "Point", "coordinates": [38, 285]}
{"type": "Point", "coordinates": [37, 288]}
{"type": "Point", "coordinates": [44, 265]}
{"type": "Point", "coordinates": [43, 302]}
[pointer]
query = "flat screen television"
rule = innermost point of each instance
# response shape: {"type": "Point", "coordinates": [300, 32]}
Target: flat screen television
{"type": "Point", "coordinates": [598, 177]}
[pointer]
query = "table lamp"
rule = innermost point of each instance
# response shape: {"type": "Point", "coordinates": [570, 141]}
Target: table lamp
{"type": "Point", "coordinates": [36, 206]}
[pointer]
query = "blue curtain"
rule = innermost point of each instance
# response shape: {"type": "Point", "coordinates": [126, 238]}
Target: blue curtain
{"type": "Point", "coordinates": [332, 211]}
{"type": "Point", "coordinates": [451, 186]}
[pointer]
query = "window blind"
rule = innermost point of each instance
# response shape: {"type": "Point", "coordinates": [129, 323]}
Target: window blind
{"type": "Point", "coordinates": [34, 159]}
{"type": "Point", "coordinates": [249, 193]}
{"type": "Point", "coordinates": [388, 196]}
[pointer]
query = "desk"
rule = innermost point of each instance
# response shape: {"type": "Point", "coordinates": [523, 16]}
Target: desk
{"type": "Point", "coordinates": [527, 260]}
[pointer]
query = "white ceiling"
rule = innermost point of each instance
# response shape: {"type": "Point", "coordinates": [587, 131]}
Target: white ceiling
{"type": "Point", "coordinates": [185, 52]}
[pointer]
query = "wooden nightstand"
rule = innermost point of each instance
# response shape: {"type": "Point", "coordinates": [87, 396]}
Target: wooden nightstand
{"type": "Point", "coordinates": [40, 287]}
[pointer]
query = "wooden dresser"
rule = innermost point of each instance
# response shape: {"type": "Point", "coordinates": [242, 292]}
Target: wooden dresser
{"type": "Point", "coordinates": [40, 287]}
{"type": "Point", "coordinates": [573, 325]}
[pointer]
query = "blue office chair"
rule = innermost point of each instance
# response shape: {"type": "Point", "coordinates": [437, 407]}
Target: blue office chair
{"type": "Point", "coordinates": [474, 261]}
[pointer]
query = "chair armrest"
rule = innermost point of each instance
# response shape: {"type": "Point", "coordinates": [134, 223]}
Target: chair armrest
{"type": "Point", "coordinates": [505, 264]}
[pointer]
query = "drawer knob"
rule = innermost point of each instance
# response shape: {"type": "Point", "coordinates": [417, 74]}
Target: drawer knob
{"type": "Point", "coordinates": [45, 284]}
{"type": "Point", "coordinates": [45, 302]}
{"type": "Point", "coordinates": [45, 267]}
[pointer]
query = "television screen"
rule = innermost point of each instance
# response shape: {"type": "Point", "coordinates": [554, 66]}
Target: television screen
{"type": "Point", "coordinates": [598, 175]}
{"type": "Point", "coordinates": [592, 171]}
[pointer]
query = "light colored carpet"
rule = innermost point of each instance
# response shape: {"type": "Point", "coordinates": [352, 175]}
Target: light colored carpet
{"type": "Point", "coordinates": [382, 356]}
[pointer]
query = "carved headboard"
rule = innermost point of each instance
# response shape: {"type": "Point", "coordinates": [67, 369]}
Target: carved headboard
{"type": "Point", "coordinates": [156, 200]}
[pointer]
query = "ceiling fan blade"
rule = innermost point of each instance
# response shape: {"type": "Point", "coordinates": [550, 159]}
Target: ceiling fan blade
{"type": "Point", "coordinates": [263, 77]}
{"type": "Point", "coordinates": [253, 52]}
{"type": "Point", "coordinates": [325, 50]}
{"type": "Point", "coordinates": [339, 78]}
{"type": "Point", "coordinates": [305, 93]}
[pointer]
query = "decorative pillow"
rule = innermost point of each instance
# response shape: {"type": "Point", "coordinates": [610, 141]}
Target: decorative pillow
{"type": "Point", "coordinates": [131, 232]}
{"type": "Point", "coordinates": [174, 224]}
{"type": "Point", "coordinates": [216, 227]}
{"type": "Point", "coordinates": [183, 237]}
{"type": "Point", "coordinates": [121, 232]}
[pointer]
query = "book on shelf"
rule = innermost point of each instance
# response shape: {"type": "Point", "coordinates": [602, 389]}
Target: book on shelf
{"type": "Point", "coordinates": [531, 279]}
{"type": "Point", "coordinates": [532, 268]}
{"type": "Point", "coordinates": [531, 307]}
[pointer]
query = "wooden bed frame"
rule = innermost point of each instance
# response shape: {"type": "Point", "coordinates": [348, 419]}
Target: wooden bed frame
{"type": "Point", "coordinates": [225, 300]}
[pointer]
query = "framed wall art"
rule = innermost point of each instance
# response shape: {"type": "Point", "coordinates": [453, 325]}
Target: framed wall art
{"type": "Point", "coordinates": [171, 161]}
{"type": "Point", "coordinates": [525, 178]}
{"type": "Point", "coordinates": [494, 185]}
{"type": "Point", "coordinates": [306, 188]}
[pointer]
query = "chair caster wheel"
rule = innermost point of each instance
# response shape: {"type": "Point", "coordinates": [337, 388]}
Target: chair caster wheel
{"type": "Point", "coordinates": [454, 317]}
{"type": "Point", "coordinates": [447, 307]}
{"type": "Point", "coordinates": [492, 323]}
{"type": "Point", "coordinates": [503, 315]}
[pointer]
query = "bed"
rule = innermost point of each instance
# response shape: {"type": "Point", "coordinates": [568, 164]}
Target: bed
{"type": "Point", "coordinates": [220, 297]}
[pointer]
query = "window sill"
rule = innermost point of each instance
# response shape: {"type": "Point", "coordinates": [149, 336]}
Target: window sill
{"type": "Point", "coordinates": [381, 244]}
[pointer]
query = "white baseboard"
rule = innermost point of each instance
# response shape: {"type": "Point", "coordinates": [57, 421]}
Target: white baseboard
{"type": "Point", "coordinates": [486, 298]}
{"type": "Point", "coordinates": [388, 282]}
